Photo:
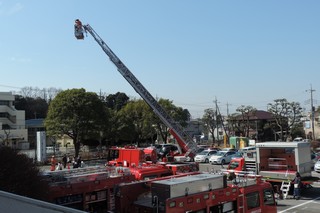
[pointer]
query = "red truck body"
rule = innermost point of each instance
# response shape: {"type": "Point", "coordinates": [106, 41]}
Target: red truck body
{"type": "Point", "coordinates": [196, 194]}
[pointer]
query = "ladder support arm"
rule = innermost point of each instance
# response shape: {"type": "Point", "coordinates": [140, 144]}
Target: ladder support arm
{"type": "Point", "coordinates": [184, 140]}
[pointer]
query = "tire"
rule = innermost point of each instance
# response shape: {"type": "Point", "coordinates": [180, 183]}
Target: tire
{"type": "Point", "coordinates": [206, 160]}
{"type": "Point", "coordinates": [223, 162]}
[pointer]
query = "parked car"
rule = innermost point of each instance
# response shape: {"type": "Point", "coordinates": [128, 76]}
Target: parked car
{"type": "Point", "coordinates": [203, 157]}
{"type": "Point", "coordinates": [164, 149]}
{"type": "Point", "coordinates": [203, 146]}
{"type": "Point", "coordinates": [229, 149]}
{"type": "Point", "coordinates": [238, 155]}
{"type": "Point", "coordinates": [200, 149]}
{"type": "Point", "coordinates": [317, 166]}
{"type": "Point", "coordinates": [222, 157]}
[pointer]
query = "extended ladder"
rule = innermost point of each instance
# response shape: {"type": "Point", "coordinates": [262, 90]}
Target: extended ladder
{"type": "Point", "coordinates": [186, 143]}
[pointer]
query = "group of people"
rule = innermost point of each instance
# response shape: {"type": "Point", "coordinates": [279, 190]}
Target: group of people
{"type": "Point", "coordinates": [66, 162]}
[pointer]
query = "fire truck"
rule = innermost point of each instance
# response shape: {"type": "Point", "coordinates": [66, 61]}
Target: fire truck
{"type": "Point", "coordinates": [204, 192]}
{"type": "Point", "coordinates": [142, 162]}
{"type": "Point", "coordinates": [185, 190]}
{"type": "Point", "coordinates": [278, 163]}
{"type": "Point", "coordinates": [115, 189]}
{"type": "Point", "coordinates": [186, 143]}
{"type": "Point", "coordinates": [89, 188]}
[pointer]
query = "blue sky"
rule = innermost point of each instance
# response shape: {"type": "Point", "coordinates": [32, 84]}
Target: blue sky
{"type": "Point", "coordinates": [191, 52]}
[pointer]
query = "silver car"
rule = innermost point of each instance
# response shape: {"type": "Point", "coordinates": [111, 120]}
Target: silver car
{"type": "Point", "coordinates": [203, 157]}
{"type": "Point", "coordinates": [222, 157]}
{"type": "Point", "coordinates": [317, 166]}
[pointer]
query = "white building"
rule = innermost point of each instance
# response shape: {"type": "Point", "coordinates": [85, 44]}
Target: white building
{"type": "Point", "coordinates": [13, 132]}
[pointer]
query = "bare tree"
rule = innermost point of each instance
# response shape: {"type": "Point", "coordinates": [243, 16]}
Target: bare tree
{"type": "Point", "coordinates": [26, 92]}
{"type": "Point", "coordinates": [210, 121]}
{"type": "Point", "coordinates": [241, 121]}
{"type": "Point", "coordinates": [246, 112]}
{"type": "Point", "coordinates": [47, 94]}
{"type": "Point", "coordinates": [7, 133]}
{"type": "Point", "coordinates": [286, 115]}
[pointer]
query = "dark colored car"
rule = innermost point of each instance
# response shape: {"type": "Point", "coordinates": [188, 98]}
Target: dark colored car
{"type": "Point", "coordinates": [164, 149]}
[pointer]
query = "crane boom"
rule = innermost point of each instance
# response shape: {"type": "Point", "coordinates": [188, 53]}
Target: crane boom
{"type": "Point", "coordinates": [184, 140]}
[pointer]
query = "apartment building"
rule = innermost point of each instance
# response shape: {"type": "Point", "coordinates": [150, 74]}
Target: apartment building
{"type": "Point", "coordinates": [13, 132]}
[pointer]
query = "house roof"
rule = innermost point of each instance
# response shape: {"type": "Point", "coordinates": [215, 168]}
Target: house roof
{"type": "Point", "coordinates": [258, 115]}
{"type": "Point", "coordinates": [261, 115]}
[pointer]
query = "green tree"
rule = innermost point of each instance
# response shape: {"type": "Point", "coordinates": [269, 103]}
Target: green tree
{"type": "Point", "coordinates": [136, 122]}
{"type": "Point", "coordinates": [116, 101]}
{"type": "Point", "coordinates": [34, 107]}
{"type": "Point", "coordinates": [19, 175]}
{"type": "Point", "coordinates": [297, 130]}
{"type": "Point", "coordinates": [78, 114]}
{"type": "Point", "coordinates": [286, 115]}
{"type": "Point", "coordinates": [178, 114]}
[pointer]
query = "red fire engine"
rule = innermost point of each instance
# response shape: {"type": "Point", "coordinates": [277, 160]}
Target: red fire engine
{"type": "Point", "coordinates": [197, 193]}
{"type": "Point", "coordinates": [87, 188]}
{"type": "Point", "coordinates": [115, 189]}
{"type": "Point", "coordinates": [143, 164]}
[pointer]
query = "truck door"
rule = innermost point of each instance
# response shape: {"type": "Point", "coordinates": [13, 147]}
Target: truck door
{"type": "Point", "coordinates": [260, 201]}
{"type": "Point", "coordinates": [253, 202]}
{"type": "Point", "coordinates": [269, 204]}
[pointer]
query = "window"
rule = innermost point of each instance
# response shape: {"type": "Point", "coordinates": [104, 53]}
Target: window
{"type": "Point", "coordinates": [5, 103]}
{"type": "Point", "coordinates": [253, 200]}
{"type": "Point", "coordinates": [233, 165]}
{"type": "Point", "coordinates": [268, 197]}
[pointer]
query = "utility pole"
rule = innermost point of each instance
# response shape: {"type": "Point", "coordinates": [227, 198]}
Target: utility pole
{"type": "Point", "coordinates": [312, 110]}
{"type": "Point", "coordinates": [217, 127]}
{"type": "Point", "coordinates": [227, 109]}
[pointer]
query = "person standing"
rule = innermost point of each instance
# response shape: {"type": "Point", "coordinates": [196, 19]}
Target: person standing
{"type": "Point", "coordinates": [297, 186]}
{"type": "Point", "coordinates": [79, 161]}
{"type": "Point", "coordinates": [74, 162]}
{"type": "Point", "coordinates": [64, 161]}
{"type": "Point", "coordinates": [59, 166]}
{"type": "Point", "coordinates": [68, 162]}
{"type": "Point", "coordinates": [53, 163]}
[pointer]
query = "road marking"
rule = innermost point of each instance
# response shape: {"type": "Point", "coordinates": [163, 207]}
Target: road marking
{"type": "Point", "coordinates": [302, 204]}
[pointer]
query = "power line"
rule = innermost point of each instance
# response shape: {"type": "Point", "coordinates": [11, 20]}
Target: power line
{"type": "Point", "coordinates": [1, 85]}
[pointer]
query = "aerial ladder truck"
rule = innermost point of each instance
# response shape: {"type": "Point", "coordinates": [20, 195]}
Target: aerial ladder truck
{"type": "Point", "coordinates": [187, 145]}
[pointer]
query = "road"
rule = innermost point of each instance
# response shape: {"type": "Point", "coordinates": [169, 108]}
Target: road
{"type": "Point", "coordinates": [309, 202]}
